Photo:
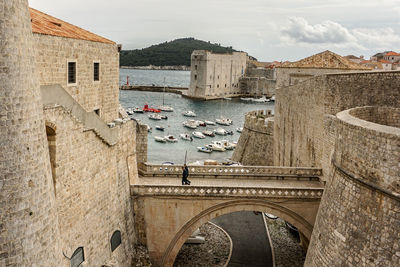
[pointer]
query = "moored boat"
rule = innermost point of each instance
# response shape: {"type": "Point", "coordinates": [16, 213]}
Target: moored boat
{"type": "Point", "coordinates": [216, 147]}
{"type": "Point", "coordinates": [204, 149]}
{"type": "Point", "coordinates": [189, 113]}
{"type": "Point", "coordinates": [208, 133]}
{"type": "Point", "coordinates": [138, 110]}
{"type": "Point", "coordinates": [147, 109]}
{"type": "Point", "coordinates": [155, 117]}
{"type": "Point", "coordinates": [186, 137]}
{"type": "Point", "coordinates": [201, 123]}
{"type": "Point", "coordinates": [192, 124]}
{"type": "Point", "coordinates": [239, 129]}
{"type": "Point", "coordinates": [165, 108]}
{"type": "Point", "coordinates": [209, 122]}
{"type": "Point", "coordinates": [220, 131]}
{"type": "Point", "coordinates": [160, 139]}
{"type": "Point", "coordinates": [224, 121]}
{"type": "Point", "coordinates": [160, 128]}
{"type": "Point", "coordinates": [170, 138]}
{"type": "Point", "coordinates": [198, 135]}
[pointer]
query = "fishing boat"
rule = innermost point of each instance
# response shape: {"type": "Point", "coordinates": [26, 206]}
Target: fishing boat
{"type": "Point", "coordinates": [209, 122]}
{"type": "Point", "coordinates": [208, 133]}
{"type": "Point", "coordinates": [155, 117]}
{"type": "Point", "coordinates": [160, 139]}
{"type": "Point", "coordinates": [239, 129]}
{"type": "Point", "coordinates": [186, 137]}
{"type": "Point", "coordinates": [216, 147]}
{"type": "Point", "coordinates": [204, 149]}
{"type": "Point", "coordinates": [147, 109]}
{"type": "Point", "coordinates": [160, 128]}
{"type": "Point", "coordinates": [198, 135]}
{"type": "Point", "coordinates": [224, 121]}
{"type": "Point", "coordinates": [170, 138]}
{"type": "Point", "coordinates": [189, 113]}
{"type": "Point", "coordinates": [192, 124]}
{"type": "Point", "coordinates": [220, 131]}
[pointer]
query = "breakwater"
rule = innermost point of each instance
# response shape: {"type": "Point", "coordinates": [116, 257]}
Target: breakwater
{"type": "Point", "coordinates": [153, 88]}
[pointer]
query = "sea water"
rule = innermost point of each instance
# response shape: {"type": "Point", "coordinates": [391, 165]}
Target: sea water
{"type": "Point", "coordinates": [234, 109]}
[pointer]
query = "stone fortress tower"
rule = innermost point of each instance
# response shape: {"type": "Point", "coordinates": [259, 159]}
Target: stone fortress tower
{"type": "Point", "coordinates": [28, 220]}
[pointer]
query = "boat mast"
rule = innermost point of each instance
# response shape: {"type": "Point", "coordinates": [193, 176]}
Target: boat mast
{"type": "Point", "coordinates": [163, 93]}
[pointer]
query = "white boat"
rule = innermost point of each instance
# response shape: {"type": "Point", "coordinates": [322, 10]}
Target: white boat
{"type": "Point", "coordinates": [225, 143]}
{"type": "Point", "coordinates": [170, 138]}
{"type": "Point", "coordinates": [221, 131]}
{"type": "Point", "coordinates": [201, 123]}
{"type": "Point", "coordinates": [192, 124]}
{"type": "Point", "coordinates": [138, 110]}
{"type": "Point", "coordinates": [239, 129]}
{"type": "Point", "coordinates": [189, 113]}
{"type": "Point", "coordinates": [260, 100]}
{"type": "Point", "coordinates": [272, 98]}
{"type": "Point", "coordinates": [208, 133]}
{"type": "Point", "coordinates": [246, 98]}
{"type": "Point", "coordinates": [204, 149]}
{"type": "Point", "coordinates": [129, 111]}
{"type": "Point", "coordinates": [160, 128]}
{"type": "Point", "coordinates": [160, 139]}
{"type": "Point", "coordinates": [224, 121]}
{"type": "Point", "coordinates": [216, 147]}
{"type": "Point", "coordinates": [165, 108]}
{"type": "Point", "coordinates": [186, 136]}
{"type": "Point", "coordinates": [209, 122]}
{"type": "Point", "coordinates": [227, 98]}
{"type": "Point", "coordinates": [155, 117]}
{"type": "Point", "coordinates": [198, 135]}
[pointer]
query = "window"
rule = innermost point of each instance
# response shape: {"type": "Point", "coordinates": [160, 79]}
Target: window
{"type": "Point", "coordinates": [195, 77]}
{"type": "Point", "coordinates": [77, 257]}
{"type": "Point", "coordinates": [115, 240]}
{"type": "Point", "coordinates": [97, 111]}
{"type": "Point", "coordinates": [96, 71]}
{"type": "Point", "coordinates": [71, 72]}
{"type": "Point", "coordinates": [195, 67]}
{"type": "Point", "coordinates": [217, 85]}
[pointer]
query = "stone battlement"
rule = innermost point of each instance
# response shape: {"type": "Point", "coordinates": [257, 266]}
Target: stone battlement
{"type": "Point", "coordinates": [259, 121]}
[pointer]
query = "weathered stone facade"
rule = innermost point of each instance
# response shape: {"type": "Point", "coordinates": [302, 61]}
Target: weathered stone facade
{"type": "Point", "coordinates": [216, 75]}
{"type": "Point", "coordinates": [256, 142]}
{"type": "Point", "coordinates": [29, 232]}
{"type": "Point", "coordinates": [359, 218]}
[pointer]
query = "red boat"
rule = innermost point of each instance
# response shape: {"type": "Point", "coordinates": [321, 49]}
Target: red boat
{"type": "Point", "coordinates": [147, 109]}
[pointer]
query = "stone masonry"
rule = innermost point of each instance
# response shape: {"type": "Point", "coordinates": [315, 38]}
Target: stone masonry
{"type": "Point", "coordinates": [255, 144]}
{"type": "Point", "coordinates": [29, 232]}
{"type": "Point", "coordinates": [359, 218]}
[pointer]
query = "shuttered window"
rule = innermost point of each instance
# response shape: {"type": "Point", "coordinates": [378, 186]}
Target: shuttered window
{"type": "Point", "coordinates": [96, 71]}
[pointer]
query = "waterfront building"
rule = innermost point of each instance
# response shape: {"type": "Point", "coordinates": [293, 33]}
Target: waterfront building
{"type": "Point", "coordinates": [216, 75]}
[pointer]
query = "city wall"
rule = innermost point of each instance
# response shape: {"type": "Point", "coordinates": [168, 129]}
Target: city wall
{"type": "Point", "coordinates": [359, 216]}
{"type": "Point", "coordinates": [302, 137]}
{"type": "Point", "coordinates": [52, 54]}
{"type": "Point", "coordinates": [257, 86]}
{"type": "Point", "coordinates": [255, 144]}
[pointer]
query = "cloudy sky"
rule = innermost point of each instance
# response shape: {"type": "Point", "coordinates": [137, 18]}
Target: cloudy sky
{"type": "Point", "coordinates": [266, 29]}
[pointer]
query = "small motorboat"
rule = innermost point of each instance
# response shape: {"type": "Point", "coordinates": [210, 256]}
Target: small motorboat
{"type": "Point", "coordinates": [246, 98]}
{"type": "Point", "coordinates": [225, 143]}
{"type": "Point", "coordinates": [165, 108]}
{"type": "Point", "coordinates": [201, 123]}
{"type": "Point", "coordinates": [155, 117]}
{"type": "Point", "coordinates": [189, 113]}
{"type": "Point", "coordinates": [220, 131]}
{"type": "Point", "coordinates": [208, 133]}
{"type": "Point", "coordinates": [160, 128]}
{"type": "Point", "coordinates": [260, 100]}
{"type": "Point", "coordinates": [160, 139]}
{"type": "Point", "coordinates": [209, 122]}
{"type": "Point", "coordinates": [138, 110]}
{"type": "Point", "coordinates": [198, 135]}
{"type": "Point", "coordinates": [147, 109]}
{"type": "Point", "coordinates": [170, 138]}
{"type": "Point", "coordinates": [224, 121]}
{"type": "Point", "coordinates": [164, 117]}
{"type": "Point", "coordinates": [239, 129]}
{"type": "Point", "coordinates": [216, 147]}
{"type": "Point", "coordinates": [227, 98]}
{"type": "Point", "coordinates": [204, 149]}
{"type": "Point", "coordinates": [186, 137]}
{"type": "Point", "coordinates": [129, 111]}
{"type": "Point", "coordinates": [192, 124]}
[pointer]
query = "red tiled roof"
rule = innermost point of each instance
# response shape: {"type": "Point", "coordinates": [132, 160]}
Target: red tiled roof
{"type": "Point", "coordinates": [392, 53]}
{"type": "Point", "coordinates": [385, 61]}
{"type": "Point", "coordinates": [48, 25]}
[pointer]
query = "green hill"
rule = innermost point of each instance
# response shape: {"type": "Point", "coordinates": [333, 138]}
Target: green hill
{"type": "Point", "coordinates": [173, 53]}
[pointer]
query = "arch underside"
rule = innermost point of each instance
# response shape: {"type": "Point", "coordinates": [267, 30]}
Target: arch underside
{"type": "Point", "coordinates": [278, 209]}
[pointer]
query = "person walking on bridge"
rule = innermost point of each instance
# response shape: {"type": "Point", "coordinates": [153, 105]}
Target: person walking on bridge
{"type": "Point", "coordinates": [185, 175]}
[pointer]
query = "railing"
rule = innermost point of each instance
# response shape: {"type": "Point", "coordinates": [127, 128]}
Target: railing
{"type": "Point", "coordinates": [270, 172]}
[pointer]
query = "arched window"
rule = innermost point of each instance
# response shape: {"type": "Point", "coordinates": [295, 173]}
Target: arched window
{"type": "Point", "coordinates": [115, 240]}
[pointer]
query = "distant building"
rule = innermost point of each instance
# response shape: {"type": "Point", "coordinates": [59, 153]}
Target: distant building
{"type": "Point", "coordinates": [392, 57]}
{"type": "Point", "coordinates": [216, 75]}
{"type": "Point", "coordinates": [326, 62]}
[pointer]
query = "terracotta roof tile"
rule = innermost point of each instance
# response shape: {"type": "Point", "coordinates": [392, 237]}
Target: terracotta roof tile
{"type": "Point", "coordinates": [48, 25]}
{"type": "Point", "coordinates": [392, 53]}
{"type": "Point", "coordinates": [385, 61]}
{"type": "Point", "coordinates": [325, 60]}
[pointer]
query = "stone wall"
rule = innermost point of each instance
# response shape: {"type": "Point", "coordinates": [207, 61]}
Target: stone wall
{"type": "Point", "coordinates": [216, 75]}
{"type": "Point", "coordinates": [302, 137]}
{"type": "Point", "coordinates": [359, 218]}
{"type": "Point", "coordinates": [52, 54]}
{"type": "Point", "coordinates": [92, 189]}
{"type": "Point", "coordinates": [29, 234]}
{"type": "Point", "coordinates": [255, 144]}
{"type": "Point", "coordinates": [257, 86]}
{"type": "Point", "coordinates": [260, 72]}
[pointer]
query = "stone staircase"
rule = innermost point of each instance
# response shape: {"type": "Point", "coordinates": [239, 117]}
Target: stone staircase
{"type": "Point", "coordinates": [55, 94]}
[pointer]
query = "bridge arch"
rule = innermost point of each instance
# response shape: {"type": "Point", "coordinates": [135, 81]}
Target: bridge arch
{"type": "Point", "coordinates": [227, 207]}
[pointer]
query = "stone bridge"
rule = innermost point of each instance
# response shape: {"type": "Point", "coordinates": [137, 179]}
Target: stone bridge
{"type": "Point", "coordinates": [167, 213]}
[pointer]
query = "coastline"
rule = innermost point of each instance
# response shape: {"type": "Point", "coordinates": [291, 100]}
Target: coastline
{"type": "Point", "coordinates": [151, 67]}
